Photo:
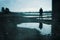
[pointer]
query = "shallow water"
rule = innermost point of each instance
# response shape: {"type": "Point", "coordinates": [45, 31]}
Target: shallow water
{"type": "Point", "coordinates": [45, 30]}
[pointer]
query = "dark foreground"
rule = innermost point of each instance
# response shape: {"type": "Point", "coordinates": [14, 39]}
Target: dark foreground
{"type": "Point", "coordinates": [30, 34]}
{"type": "Point", "coordinates": [9, 30]}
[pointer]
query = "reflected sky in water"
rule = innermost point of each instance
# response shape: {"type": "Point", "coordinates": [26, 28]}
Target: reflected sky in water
{"type": "Point", "coordinates": [45, 30]}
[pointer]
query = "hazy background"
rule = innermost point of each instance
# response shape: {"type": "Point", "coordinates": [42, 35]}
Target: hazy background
{"type": "Point", "coordinates": [26, 5]}
{"type": "Point", "coordinates": [29, 6]}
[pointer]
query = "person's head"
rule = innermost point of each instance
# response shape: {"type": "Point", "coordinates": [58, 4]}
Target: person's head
{"type": "Point", "coordinates": [40, 8]}
{"type": "Point", "coordinates": [7, 9]}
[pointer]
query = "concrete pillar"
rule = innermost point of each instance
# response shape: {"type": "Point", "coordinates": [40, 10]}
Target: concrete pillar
{"type": "Point", "coordinates": [56, 20]}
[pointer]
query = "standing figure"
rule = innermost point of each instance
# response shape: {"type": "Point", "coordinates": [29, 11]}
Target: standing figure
{"type": "Point", "coordinates": [2, 10]}
{"type": "Point", "coordinates": [41, 11]}
{"type": "Point", "coordinates": [7, 11]}
{"type": "Point", "coordinates": [40, 16]}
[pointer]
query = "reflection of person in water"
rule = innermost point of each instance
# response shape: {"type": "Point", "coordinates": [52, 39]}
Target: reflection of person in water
{"type": "Point", "coordinates": [40, 16]}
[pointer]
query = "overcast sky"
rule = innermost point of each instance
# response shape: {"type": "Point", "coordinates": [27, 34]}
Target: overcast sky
{"type": "Point", "coordinates": [26, 5]}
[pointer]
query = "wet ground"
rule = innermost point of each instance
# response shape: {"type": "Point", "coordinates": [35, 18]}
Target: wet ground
{"type": "Point", "coordinates": [9, 22]}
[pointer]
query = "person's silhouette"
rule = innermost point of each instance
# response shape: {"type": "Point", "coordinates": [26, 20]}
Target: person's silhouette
{"type": "Point", "coordinates": [7, 11]}
{"type": "Point", "coordinates": [41, 11]}
{"type": "Point", "coordinates": [2, 9]}
{"type": "Point", "coordinates": [40, 16]}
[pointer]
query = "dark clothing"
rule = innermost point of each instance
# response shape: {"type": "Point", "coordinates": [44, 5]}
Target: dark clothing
{"type": "Point", "coordinates": [7, 11]}
{"type": "Point", "coordinates": [41, 11]}
{"type": "Point", "coordinates": [40, 16]}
